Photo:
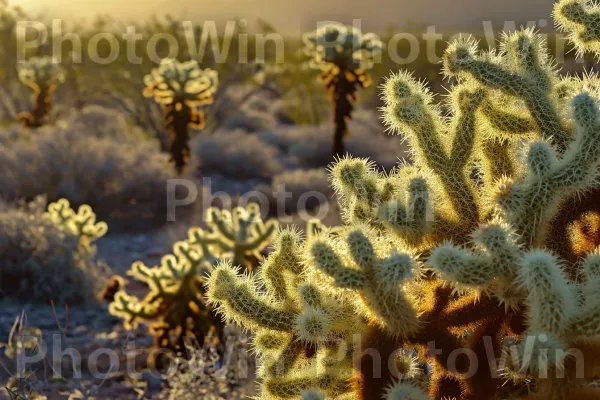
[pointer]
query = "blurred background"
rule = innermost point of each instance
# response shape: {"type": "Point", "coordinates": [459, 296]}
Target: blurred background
{"type": "Point", "coordinates": [291, 17]}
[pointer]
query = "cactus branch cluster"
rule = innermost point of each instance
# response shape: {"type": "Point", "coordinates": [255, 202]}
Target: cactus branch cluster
{"type": "Point", "coordinates": [181, 89]}
{"type": "Point", "coordinates": [458, 283]}
{"type": "Point", "coordinates": [43, 75]}
{"type": "Point", "coordinates": [342, 54]}
{"type": "Point", "coordinates": [175, 305]}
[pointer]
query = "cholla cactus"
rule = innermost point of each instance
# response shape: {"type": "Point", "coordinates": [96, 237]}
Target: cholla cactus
{"type": "Point", "coordinates": [43, 75]}
{"type": "Point", "coordinates": [342, 54]}
{"type": "Point", "coordinates": [240, 235]}
{"type": "Point", "coordinates": [175, 305]}
{"type": "Point", "coordinates": [462, 269]}
{"type": "Point", "coordinates": [81, 223]}
{"type": "Point", "coordinates": [181, 89]}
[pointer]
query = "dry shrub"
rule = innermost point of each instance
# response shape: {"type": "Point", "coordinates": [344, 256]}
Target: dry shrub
{"type": "Point", "coordinates": [39, 262]}
{"type": "Point", "coordinates": [236, 154]}
{"type": "Point", "coordinates": [298, 190]}
{"type": "Point", "coordinates": [90, 161]}
{"type": "Point", "coordinates": [310, 146]}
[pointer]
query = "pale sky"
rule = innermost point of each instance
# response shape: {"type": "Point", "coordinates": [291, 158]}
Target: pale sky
{"type": "Point", "coordinates": [294, 15]}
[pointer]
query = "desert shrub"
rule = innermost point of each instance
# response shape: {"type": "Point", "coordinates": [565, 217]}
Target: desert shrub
{"type": "Point", "coordinates": [123, 180]}
{"type": "Point", "coordinates": [202, 373]}
{"type": "Point", "coordinates": [48, 256]}
{"type": "Point", "coordinates": [299, 184]}
{"type": "Point", "coordinates": [236, 154]}
{"type": "Point", "coordinates": [247, 121]}
{"type": "Point", "coordinates": [11, 133]}
{"type": "Point", "coordinates": [309, 146]}
{"type": "Point", "coordinates": [431, 254]}
{"type": "Point", "coordinates": [101, 122]}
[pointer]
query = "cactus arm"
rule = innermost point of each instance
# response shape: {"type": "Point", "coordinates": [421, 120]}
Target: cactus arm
{"type": "Point", "coordinates": [131, 309]}
{"type": "Point", "coordinates": [580, 19]}
{"type": "Point", "coordinates": [289, 388]}
{"type": "Point", "coordinates": [287, 258]}
{"type": "Point", "coordinates": [530, 204]}
{"type": "Point", "coordinates": [376, 280]}
{"type": "Point", "coordinates": [506, 125]}
{"type": "Point", "coordinates": [221, 222]}
{"type": "Point", "coordinates": [497, 163]}
{"type": "Point", "coordinates": [284, 361]}
{"type": "Point", "coordinates": [408, 110]}
{"type": "Point", "coordinates": [262, 238]}
{"type": "Point", "coordinates": [461, 60]}
{"type": "Point", "coordinates": [82, 224]}
{"type": "Point", "coordinates": [237, 298]}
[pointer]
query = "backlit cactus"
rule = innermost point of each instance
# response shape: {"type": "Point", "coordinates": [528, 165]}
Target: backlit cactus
{"type": "Point", "coordinates": [175, 306]}
{"type": "Point", "coordinates": [81, 223]}
{"type": "Point", "coordinates": [175, 301]}
{"type": "Point", "coordinates": [342, 54]}
{"type": "Point", "coordinates": [181, 89]}
{"type": "Point", "coordinates": [294, 322]}
{"type": "Point", "coordinates": [239, 235]}
{"type": "Point", "coordinates": [43, 75]}
{"type": "Point", "coordinates": [581, 20]}
{"type": "Point", "coordinates": [464, 269]}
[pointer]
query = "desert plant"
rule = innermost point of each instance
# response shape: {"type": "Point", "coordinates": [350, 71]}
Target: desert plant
{"type": "Point", "coordinates": [463, 268]}
{"type": "Point", "coordinates": [23, 341]}
{"type": "Point", "coordinates": [175, 305]}
{"type": "Point", "coordinates": [48, 256]}
{"type": "Point", "coordinates": [122, 176]}
{"type": "Point", "coordinates": [342, 54]}
{"type": "Point", "coordinates": [204, 373]}
{"type": "Point", "coordinates": [43, 75]}
{"type": "Point", "coordinates": [299, 189]}
{"type": "Point", "coordinates": [236, 154]}
{"type": "Point", "coordinates": [181, 89]}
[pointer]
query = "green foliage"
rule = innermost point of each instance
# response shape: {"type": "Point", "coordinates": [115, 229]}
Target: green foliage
{"type": "Point", "coordinates": [175, 305]}
{"type": "Point", "coordinates": [48, 256]}
{"type": "Point", "coordinates": [433, 253]}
